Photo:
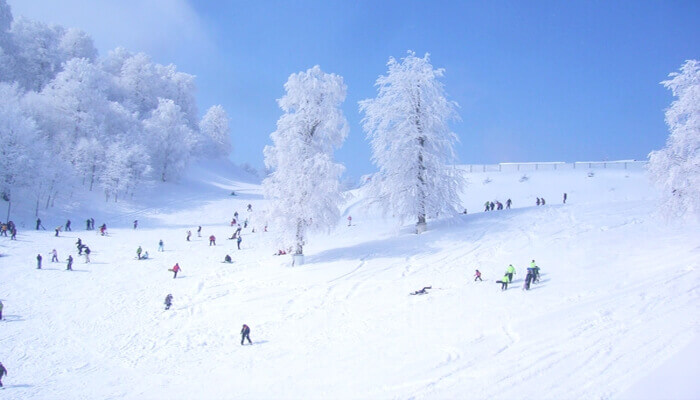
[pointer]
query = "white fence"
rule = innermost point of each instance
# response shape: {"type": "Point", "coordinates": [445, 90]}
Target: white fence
{"type": "Point", "coordinates": [551, 166]}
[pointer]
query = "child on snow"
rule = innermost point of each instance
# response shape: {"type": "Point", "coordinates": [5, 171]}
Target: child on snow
{"type": "Point", "coordinates": [477, 275]}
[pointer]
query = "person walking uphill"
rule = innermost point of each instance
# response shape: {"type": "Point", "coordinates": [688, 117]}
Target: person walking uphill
{"type": "Point", "coordinates": [245, 334]}
{"type": "Point", "coordinates": [477, 275]}
{"type": "Point", "coordinates": [509, 272]}
{"type": "Point", "coordinates": [138, 252]}
{"type": "Point", "coordinates": [69, 267]}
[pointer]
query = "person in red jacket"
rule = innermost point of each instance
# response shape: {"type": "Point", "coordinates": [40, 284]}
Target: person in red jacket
{"type": "Point", "coordinates": [175, 270]}
{"type": "Point", "coordinates": [212, 240]}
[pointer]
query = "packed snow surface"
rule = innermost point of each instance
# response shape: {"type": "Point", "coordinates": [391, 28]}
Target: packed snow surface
{"type": "Point", "coordinates": [617, 300]}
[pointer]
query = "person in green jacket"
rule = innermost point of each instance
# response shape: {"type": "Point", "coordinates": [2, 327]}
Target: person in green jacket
{"type": "Point", "coordinates": [535, 271]}
{"type": "Point", "coordinates": [504, 282]}
{"type": "Point", "coordinates": [138, 252]}
{"type": "Point", "coordinates": [509, 272]}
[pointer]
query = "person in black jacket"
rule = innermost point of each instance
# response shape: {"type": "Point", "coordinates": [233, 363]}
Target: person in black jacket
{"type": "Point", "coordinates": [38, 261]}
{"type": "Point", "coordinates": [69, 267]}
{"type": "Point", "coordinates": [168, 301]}
{"type": "Point", "coordinates": [245, 334]}
{"type": "Point", "coordinates": [3, 372]}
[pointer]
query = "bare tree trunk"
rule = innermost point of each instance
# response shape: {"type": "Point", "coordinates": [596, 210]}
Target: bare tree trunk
{"type": "Point", "coordinates": [300, 237]}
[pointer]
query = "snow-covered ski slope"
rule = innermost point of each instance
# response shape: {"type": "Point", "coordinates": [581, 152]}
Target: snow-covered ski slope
{"type": "Point", "coordinates": [617, 302]}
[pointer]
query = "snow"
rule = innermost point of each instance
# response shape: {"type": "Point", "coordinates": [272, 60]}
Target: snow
{"type": "Point", "coordinates": [616, 308]}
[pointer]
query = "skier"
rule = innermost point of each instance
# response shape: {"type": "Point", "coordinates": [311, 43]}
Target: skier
{"type": "Point", "coordinates": [168, 301]}
{"type": "Point", "coordinates": [477, 275]}
{"type": "Point", "coordinates": [1, 305]}
{"type": "Point", "coordinates": [69, 267]}
{"type": "Point", "coordinates": [87, 254]}
{"type": "Point", "coordinates": [68, 229]}
{"type": "Point", "coordinates": [138, 252]}
{"type": "Point", "coordinates": [3, 372]}
{"type": "Point", "coordinates": [160, 245]}
{"type": "Point", "coordinates": [54, 255]}
{"type": "Point", "coordinates": [510, 270]}
{"type": "Point", "coordinates": [103, 229]}
{"type": "Point", "coordinates": [189, 233]}
{"type": "Point", "coordinates": [38, 223]}
{"type": "Point", "coordinates": [212, 240]}
{"type": "Point", "coordinates": [508, 203]}
{"type": "Point", "coordinates": [422, 291]}
{"type": "Point", "coordinates": [38, 261]}
{"type": "Point", "coordinates": [349, 220]}
{"type": "Point", "coordinates": [199, 231]}
{"type": "Point", "coordinates": [175, 269]}
{"type": "Point", "coordinates": [238, 241]}
{"type": "Point", "coordinates": [564, 198]}
{"type": "Point", "coordinates": [227, 259]}
{"type": "Point", "coordinates": [245, 334]}
{"type": "Point", "coordinates": [504, 282]}
{"type": "Point", "coordinates": [136, 223]}
{"type": "Point", "coordinates": [58, 229]}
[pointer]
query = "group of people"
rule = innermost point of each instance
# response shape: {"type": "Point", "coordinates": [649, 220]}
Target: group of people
{"type": "Point", "coordinates": [8, 227]}
{"type": "Point", "coordinates": [533, 276]}
{"type": "Point", "coordinates": [490, 205]}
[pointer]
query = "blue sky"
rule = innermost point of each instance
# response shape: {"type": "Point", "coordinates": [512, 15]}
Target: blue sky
{"type": "Point", "coordinates": [535, 80]}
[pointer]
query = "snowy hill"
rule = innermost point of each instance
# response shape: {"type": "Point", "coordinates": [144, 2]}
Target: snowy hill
{"type": "Point", "coordinates": [617, 300]}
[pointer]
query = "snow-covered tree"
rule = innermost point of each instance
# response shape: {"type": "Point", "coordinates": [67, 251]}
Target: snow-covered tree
{"type": "Point", "coordinates": [412, 144]}
{"type": "Point", "coordinates": [303, 189]}
{"type": "Point", "coordinates": [215, 139]}
{"type": "Point", "coordinates": [19, 140]}
{"type": "Point", "coordinates": [170, 140]}
{"type": "Point", "coordinates": [676, 167]}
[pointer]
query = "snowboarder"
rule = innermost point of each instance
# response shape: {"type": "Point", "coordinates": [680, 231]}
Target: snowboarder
{"type": "Point", "coordinates": [535, 272]}
{"type": "Point", "coordinates": [3, 372]}
{"type": "Point", "coordinates": [145, 256]}
{"type": "Point", "coordinates": [528, 279]}
{"type": "Point", "coordinates": [189, 234]}
{"type": "Point", "coordinates": [212, 240]}
{"type": "Point", "coordinates": [69, 267]}
{"type": "Point", "coordinates": [138, 252]}
{"type": "Point", "coordinates": [136, 223]}
{"type": "Point", "coordinates": [349, 220]}
{"type": "Point", "coordinates": [54, 255]}
{"type": "Point", "coordinates": [38, 261]}
{"type": "Point", "coordinates": [227, 259]}
{"type": "Point", "coordinates": [168, 301]}
{"type": "Point", "coordinates": [199, 231]}
{"type": "Point", "coordinates": [238, 242]}
{"type": "Point", "coordinates": [175, 269]}
{"type": "Point", "coordinates": [422, 291]}
{"type": "Point", "coordinates": [510, 270]}
{"type": "Point", "coordinates": [160, 245]}
{"type": "Point", "coordinates": [504, 282]}
{"type": "Point", "coordinates": [87, 254]}
{"type": "Point", "coordinates": [508, 203]}
{"type": "Point", "coordinates": [245, 334]}
{"type": "Point", "coordinates": [477, 275]}
{"type": "Point", "coordinates": [564, 198]}
{"type": "Point", "coordinates": [68, 229]}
